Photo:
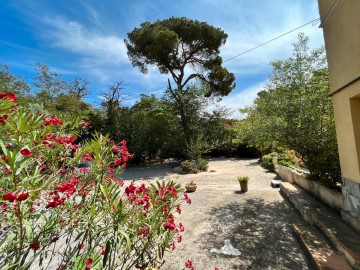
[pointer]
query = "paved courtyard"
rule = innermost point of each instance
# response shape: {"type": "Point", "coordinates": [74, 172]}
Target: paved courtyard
{"type": "Point", "coordinates": [257, 223]}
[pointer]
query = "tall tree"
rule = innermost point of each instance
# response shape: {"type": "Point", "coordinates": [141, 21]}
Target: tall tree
{"type": "Point", "coordinates": [295, 111]}
{"type": "Point", "coordinates": [48, 84]}
{"type": "Point", "coordinates": [187, 49]}
{"type": "Point", "coordinates": [12, 83]}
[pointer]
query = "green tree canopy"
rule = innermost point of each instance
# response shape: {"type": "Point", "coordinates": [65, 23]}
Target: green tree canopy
{"type": "Point", "coordinates": [187, 49]}
{"type": "Point", "coordinates": [295, 111]}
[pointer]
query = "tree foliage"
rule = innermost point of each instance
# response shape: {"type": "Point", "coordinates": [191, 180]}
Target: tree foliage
{"type": "Point", "coordinates": [295, 110]}
{"type": "Point", "coordinates": [175, 46]}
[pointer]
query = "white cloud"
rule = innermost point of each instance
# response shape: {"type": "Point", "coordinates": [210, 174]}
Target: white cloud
{"type": "Point", "coordinates": [96, 47]}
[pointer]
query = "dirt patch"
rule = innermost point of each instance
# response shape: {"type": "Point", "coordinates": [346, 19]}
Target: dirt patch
{"type": "Point", "coordinates": [257, 223]}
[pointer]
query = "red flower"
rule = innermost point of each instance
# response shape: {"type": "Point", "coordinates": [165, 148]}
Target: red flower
{"type": "Point", "coordinates": [172, 245]}
{"type": "Point", "coordinates": [3, 119]}
{"type": "Point", "coordinates": [55, 238]}
{"type": "Point", "coordinates": [179, 239]}
{"type": "Point", "coordinates": [89, 262]}
{"type": "Point", "coordinates": [188, 264]}
{"type": "Point", "coordinates": [52, 121]}
{"type": "Point", "coordinates": [34, 245]}
{"type": "Point", "coordinates": [178, 209]}
{"type": "Point", "coordinates": [102, 250]}
{"type": "Point", "coordinates": [22, 196]}
{"type": "Point", "coordinates": [116, 149]}
{"type": "Point", "coordinates": [9, 95]}
{"type": "Point", "coordinates": [11, 197]}
{"type": "Point", "coordinates": [117, 161]}
{"type": "Point", "coordinates": [26, 152]}
{"type": "Point", "coordinates": [181, 227]}
{"type": "Point", "coordinates": [186, 198]}
{"type": "Point", "coordinates": [217, 268]}
{"type": "Point", "coordinates": [130, 189]}
{"type": "Point", "coordinates": [85, 124]}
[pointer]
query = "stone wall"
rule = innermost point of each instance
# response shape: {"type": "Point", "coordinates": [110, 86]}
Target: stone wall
{"type": "Point", "coordinates": [327, 196]}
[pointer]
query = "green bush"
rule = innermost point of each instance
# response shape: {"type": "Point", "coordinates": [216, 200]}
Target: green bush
{"type": "Point", "coordinates": [267, 163]}
{"type": "Point", "coordinates": [186, 166]}
{"type": "Point", "coordinates": [195, 166]}
{"type": "Point", "coordinates": [202, 164]}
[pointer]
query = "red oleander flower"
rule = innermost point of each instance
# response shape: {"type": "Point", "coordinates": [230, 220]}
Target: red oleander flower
{"type": "Point", "coordinates": [102, 250]}
{"type": "Point", "coordinates": [88, 263]}
{"type": "Point", "coordinates": [34, 245]}
{"type": "Point", "coordinates": [116, 149]}
{"type": "Point", "coordinates": [179, 239]}
{"type": "Point", "coordinates": [172, 245]}
{"type": "Point", "coordinates": [85, 124]}
{"type": "Point", "coordinates": [26, 152]}
{"type": "Point", "coordinates": [178, 209]}
{"type": "Point", "coordinates": [117, 161]}
{"type": "Point", "coordinates": [11, 197]}
{"type": "Point", "coordinates": [3, 119]}
{"type": "Point", "coordinates": [186, 198]}
{"type": "Point", "coordinates": [188, 264]}
{"type": "Point", "coordinates": [130, 189]}
{"type": "Point", "coordinates": [22, 196]}
{"type": "Point", "coordinates": [181, 227]}
{"type": "Point", "coordinates": [9, 95]}
{"type": "Point", "coordinates": [55, 238]}
{"type": "Point", "coordinates": [52, 121]}
{"type": "Point", "coordinates": [217, 268]}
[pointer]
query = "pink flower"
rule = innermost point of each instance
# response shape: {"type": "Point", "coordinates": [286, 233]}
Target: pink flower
{"type": "Point", "coordinates": [217, 268]}
{"type": "Point", "coordinates": [178, 209]}
{"type": "Point", "coordinates": [172, 245]}
{"type": "Point", "coordinates": [34, 245]}
{"type": "Point", "coordinates": [26, 152]}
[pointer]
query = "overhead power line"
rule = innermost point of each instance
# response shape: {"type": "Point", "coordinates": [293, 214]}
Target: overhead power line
{"type": "Point", "coordinates": [313, 22]}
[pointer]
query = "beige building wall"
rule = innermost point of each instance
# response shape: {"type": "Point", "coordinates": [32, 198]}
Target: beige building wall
{"type": "Point", "coordinates": [340, 20]}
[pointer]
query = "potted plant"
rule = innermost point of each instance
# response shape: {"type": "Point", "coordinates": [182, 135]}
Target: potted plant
{"type": "Point", "coordinates": [190, 187]}
{"type": "Point", "coordinates": [243, 180]}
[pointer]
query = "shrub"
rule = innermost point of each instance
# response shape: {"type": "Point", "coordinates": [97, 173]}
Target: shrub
{"type": "Point", "coordinates": [186, 166]}
{"type": "Point", "coordinates": [202, 164]}
{"type": "Point", "coordinates": [195, 166]}
{"type": "Point", "coordinates": [267, 162]}
{"type": "Point", "coordinates": [102, 223]}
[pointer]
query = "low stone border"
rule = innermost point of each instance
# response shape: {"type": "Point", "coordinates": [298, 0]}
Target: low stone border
{"type": "Point", "coordinates": [327, 196]}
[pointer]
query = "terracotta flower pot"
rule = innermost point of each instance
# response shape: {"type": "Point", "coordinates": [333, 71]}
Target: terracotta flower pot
{"type": "Point", "coordinates": [190, 187]}
{"type": "Point", "coordinates": [244, 186]}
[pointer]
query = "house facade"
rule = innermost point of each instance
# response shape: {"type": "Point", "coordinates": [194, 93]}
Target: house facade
{"type": "Point", "coordinates": [340, 21]}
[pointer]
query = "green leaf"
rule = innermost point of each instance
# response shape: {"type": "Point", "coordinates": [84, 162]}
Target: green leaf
{"type": "Point", "coordinates": [128, 242]}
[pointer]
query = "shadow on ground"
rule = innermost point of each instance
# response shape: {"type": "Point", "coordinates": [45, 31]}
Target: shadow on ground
{"type": "Point", "coordinates": [260, 230]}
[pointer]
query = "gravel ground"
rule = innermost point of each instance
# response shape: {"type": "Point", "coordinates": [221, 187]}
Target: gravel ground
{"type": "Point", "coordinates": [257, 223]}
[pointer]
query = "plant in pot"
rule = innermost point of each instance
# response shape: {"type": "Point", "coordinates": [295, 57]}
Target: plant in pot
{"type": "Point", "coordinates": [243, 180]}
{"type": "Point", "coordinates": [190, 187]}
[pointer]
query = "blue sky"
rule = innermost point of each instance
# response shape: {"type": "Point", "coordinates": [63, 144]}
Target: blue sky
{"type": "Point", "coordinates": [85, 39]}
